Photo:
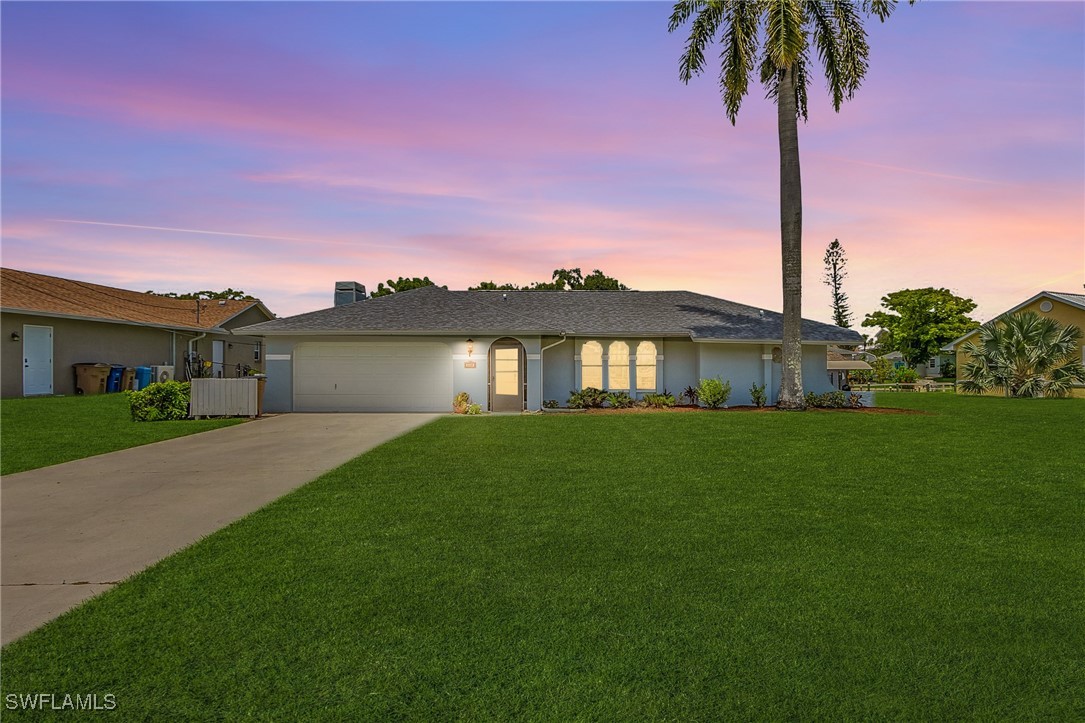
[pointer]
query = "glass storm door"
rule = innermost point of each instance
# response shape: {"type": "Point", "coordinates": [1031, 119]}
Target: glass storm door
{"type": "Point", "coordinates": [507, 376]}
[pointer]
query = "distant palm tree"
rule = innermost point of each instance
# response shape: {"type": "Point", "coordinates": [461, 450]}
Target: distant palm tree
{"type": "Point", "coordinates": [783, 30]}
{"type": "Point", "coordinates": [1025, 355]}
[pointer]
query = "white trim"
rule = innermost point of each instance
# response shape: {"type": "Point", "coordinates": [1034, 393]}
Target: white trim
{"type": "Point", "coordinates": [277, 357]}
{"type": "Point", "coordinates": [775, 342]}
{"type": "Point", "coordinates": [534, 357]}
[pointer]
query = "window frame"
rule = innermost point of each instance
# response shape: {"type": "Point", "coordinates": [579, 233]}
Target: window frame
{"type": "Point", "coordinates": [637, 365]}
{"type": "Point", "coordinates": [601, 364]}
{"type": "Point", "coordinates": [612, 365]}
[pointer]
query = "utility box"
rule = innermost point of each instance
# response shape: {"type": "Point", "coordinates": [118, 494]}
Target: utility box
{"type": "Point", "coordinates": [162, 373]}
{"type": "Point", "coordinates": [91, 378]}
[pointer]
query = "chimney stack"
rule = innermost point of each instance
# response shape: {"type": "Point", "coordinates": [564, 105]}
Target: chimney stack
{"type": "Point", "coordinates": [347, 292]}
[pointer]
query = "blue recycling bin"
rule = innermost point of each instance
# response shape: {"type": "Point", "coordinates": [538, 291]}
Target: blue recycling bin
{"type": "Point", "coordinates": [113, 383]}
{"type": "Point", "coordinates": [143, 377]}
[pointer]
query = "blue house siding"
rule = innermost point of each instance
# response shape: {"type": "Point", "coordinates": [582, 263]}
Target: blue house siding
{"type": "Point", "coordinates": [679, 365]}
{"type": "Point", "coordinates": [554, 373]}
{"type": "Point", "coordinates": [559, 368]}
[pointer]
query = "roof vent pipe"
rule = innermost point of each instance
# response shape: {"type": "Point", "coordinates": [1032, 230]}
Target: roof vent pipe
{"type": "Point", "coordinates": [347, 292]}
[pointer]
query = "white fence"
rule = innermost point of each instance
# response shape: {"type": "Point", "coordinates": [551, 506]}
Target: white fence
{"type": "Point", "coordinates": [224, 398]}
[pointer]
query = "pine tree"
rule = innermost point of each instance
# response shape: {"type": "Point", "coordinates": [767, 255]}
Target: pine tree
{"type": "Point", "coordinates": [835, 261]}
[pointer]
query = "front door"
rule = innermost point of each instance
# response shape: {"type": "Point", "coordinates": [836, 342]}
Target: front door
{"type": "Point", "coordinates": [506, 376]}
{"type": "Point", "coordinates": [37, 360]}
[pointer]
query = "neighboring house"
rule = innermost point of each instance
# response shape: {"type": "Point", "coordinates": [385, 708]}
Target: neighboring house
{"type": "Point", "coordinates": [895, 358]}
{"type": "Point", "coordinates": [839, 362]}
{"type": "Point", "coordinates": [933, 367]}
{"type": "Point", "coordinates": [413, 351]}
{"type": "Point", "coordinates": [1064, 307]}
{"type": "Point", "coordinates": [48, 324]}
{"type": "Point", "coordinates": [929, 369]}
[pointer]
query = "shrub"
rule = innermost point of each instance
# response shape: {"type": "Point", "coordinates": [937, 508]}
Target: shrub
{"type": "Point", "coordinates": [460, 403]}
{"type": "Point", "coordinates": [882, 370]}
{"type": "Point", "coordinates": [861, 376]}
{"type": "Point", "coordinates": [587, 398]}
{"type": "Point", "coordinates": [691, 394]}
{"type": "Point", "coordinates": [757, 395]}
{"type": "Point", "coordinates": [906, 375]}
{"type": "Point", "coordinates": [550, 404]}
{"type": "Point", "coordinates": [659, 401]}
{"type": "Point", "coordinates": [619, 400]}
{"type": "Point", "coordinates": [828, 400]}
{"type": "Point", "coordinates": [855, 401]}
{"type": "Point", "coordinates": [949, 369]}
{"type": "Point", "coordinates": [473, 409]}
{"type": "Point", "coordinates": [160, 401]}
{"type": "Point", "coordinates": [714, 393]}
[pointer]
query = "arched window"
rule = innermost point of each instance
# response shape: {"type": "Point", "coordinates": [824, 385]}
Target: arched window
{"type": "Point", "coordinates": [646, 366]}
{"type": "Point", "coordinates": [618, 365]}
{"type": "Point", "coordinates": [591, 365]}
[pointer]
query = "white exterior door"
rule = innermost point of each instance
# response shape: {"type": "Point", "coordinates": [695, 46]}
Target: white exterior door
{"type": "Point", "coordinates": [37, 360]}
{"type": "Point", "coordinates": [218, 357]}
{"type": "Point", "coordinates": [368, 376]}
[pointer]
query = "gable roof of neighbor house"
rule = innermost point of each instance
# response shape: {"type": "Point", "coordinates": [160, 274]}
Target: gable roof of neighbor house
{"type": "Point", "coordinates": [433, 310]}
{"type": "Point", "coordinates": [1071, 299]}
{"type": "Point", "coordinates": [28, 293]}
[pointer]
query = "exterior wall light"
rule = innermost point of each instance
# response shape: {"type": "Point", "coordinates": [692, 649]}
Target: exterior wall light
{"type": "Point", "coordinates": [470, 347]}
{"type": "Point", "coordinates": [15, 336]}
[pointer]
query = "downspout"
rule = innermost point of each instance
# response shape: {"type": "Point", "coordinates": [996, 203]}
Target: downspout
{"type": "Point", "coordinates": [191, 341]}
{"type": "Point", "coordinates": [542, 360]}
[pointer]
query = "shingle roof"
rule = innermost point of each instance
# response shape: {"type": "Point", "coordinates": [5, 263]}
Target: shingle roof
{"type": "Point", "coordinates": [22, 291]}
{"type": "Point", "coordinates": [1075, 299]}
{"type": "Point", "coordinates": [1067, 297]}
{"type": "Point", "coordinates": [602, 313]}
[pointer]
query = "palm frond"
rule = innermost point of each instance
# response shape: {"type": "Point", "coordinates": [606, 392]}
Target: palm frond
{"type": "Point", "coordinates": [881, 9]}
{"type": "Point", "coordinates": [824, 37]}
{"type": "Point", "coordinates": [682, 11]}
{"type": "Point", "coordinates": [737, 57]}
{"type": "Point", "coordinates": [1025, 354]}
{"type": "Point", "coordinates": [785, 37]}
{"type": "Point", "coordinates": [702, 33]}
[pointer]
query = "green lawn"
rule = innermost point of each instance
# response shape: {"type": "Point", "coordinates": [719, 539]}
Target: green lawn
{"type": "Point", "coordinates": [826, 565]}
{"type": "Point", "coordinates": [38, 432]}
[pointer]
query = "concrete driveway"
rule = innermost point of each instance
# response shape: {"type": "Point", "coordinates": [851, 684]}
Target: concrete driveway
{"type": "Point", "coordinates": [71, 531]}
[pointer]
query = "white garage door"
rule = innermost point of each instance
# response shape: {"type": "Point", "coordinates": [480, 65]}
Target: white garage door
{"type": "Point", "coordinates": [372, 377]}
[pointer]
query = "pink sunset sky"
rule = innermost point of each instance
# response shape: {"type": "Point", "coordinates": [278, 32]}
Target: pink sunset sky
{"type": "Point", "coordinates": [280, 147]}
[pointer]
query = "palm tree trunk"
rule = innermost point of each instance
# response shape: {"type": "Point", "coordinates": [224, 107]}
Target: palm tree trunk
{"type": "Point", "coordinates": [790, 242]}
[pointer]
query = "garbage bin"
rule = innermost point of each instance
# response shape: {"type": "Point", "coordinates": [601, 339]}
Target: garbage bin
{"type": "Point", "coordinates": [90, 378]}
{"type": "Point", "coordinates": [128, 380]}
{"type": "Point", "coordinates": [143, 377]}
{"type": "Point", "coordinates": [113, 384]}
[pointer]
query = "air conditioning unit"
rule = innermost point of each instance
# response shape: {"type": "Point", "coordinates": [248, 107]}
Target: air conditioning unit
{"type": "Point", "coordinates": [162, 373]}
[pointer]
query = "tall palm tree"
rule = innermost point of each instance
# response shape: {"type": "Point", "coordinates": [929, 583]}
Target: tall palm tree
{"type": "Point", "coordinates": [783, 31]}
{"type": "Point", "coordinates": [1025, 355]}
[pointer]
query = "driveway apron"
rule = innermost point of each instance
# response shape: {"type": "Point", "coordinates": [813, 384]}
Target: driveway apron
{"type": "Point", "coordinates": [73, 530]}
